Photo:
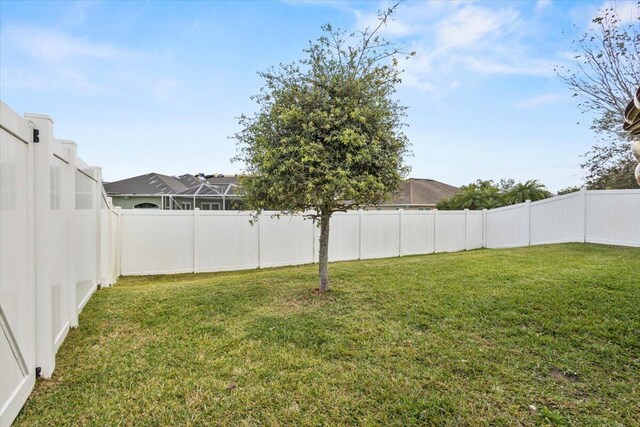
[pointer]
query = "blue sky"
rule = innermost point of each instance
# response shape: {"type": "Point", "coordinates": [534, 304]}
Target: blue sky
{"type": "Point", "coordinates": [156, 86]}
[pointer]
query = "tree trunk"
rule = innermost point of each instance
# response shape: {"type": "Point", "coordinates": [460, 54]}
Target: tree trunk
{"type": "Point", "coordinates": [323, 267]}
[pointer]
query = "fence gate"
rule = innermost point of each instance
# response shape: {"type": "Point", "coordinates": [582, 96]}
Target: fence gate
{"type": "Point", "coordinates": [53, 254]}
{"type": "Point", "coordinates": [17, 282]}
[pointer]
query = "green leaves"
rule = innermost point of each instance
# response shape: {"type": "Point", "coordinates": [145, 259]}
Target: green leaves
{"type": "Point", "coordinates": [488, 195]}
{"type": "Point", "coordinates": [328, 134]}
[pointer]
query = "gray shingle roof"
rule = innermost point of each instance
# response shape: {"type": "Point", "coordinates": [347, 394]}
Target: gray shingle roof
{"type": "Point", "coordinates": [151, 183]}
{"type": "Point", "coordinates": [413, 191]}
{"type": "Point", "coordinates": [189, 180]}
{"type": "Point", "coordinates": [155, 183]}
{"type": "Point", "coordinates": [422, 192]}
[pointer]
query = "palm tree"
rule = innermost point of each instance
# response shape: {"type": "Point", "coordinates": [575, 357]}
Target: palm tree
{"type": "Point", "coordinates": [478, 195]}
{"type": "Point", "coordinates": [530, 190]}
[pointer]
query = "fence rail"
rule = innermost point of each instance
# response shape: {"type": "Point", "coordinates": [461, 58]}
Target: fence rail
{"type": "Point", "coordinates": [61, 238]}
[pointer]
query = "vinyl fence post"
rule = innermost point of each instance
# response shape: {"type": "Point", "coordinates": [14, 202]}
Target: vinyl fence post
{"type": "Point", "coordinates": [583, 214]}
{"type": "Point", "coordinates": [528, 204]}
{"type": "Point", "coordinates": [484, 228]}
{"type": "Point", "coordinates": [400, 220]}
{"type": "Point", "coordinates": [196, 215]}
{"type": "Point", "coordinates": [466, 227]}
{"type": "Point", "coordinates": [98, 229]}
{"type": "Point", "coordinates": [45, 339]}
{"type": "Point", "coordinates": [313, 242]}
{"type": "Point", "coordinates": [361, 213]}
{"type": "Point", "coordinates": [72, 254]}
{"type": "Point", "coordinates": [110, 273]}
{"type": "Point", "coordinates": [258, 224]}
{"type": "Point", "coordinates": [119, 241]}
{"type": "Point", "coordinates": [435, 229]}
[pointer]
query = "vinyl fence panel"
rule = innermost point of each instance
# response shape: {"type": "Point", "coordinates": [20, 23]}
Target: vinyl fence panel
{"type": "Point", "coordinates": [288, 240]}
{"type": "Point", "coordinates": [508, 227]}
{"type": "Point", "coordinates": [418, 234]}
{"type": "Point", "coordinates": [344, 236]}
{"type": "Point", "coordinates": [86, 240]}
{"type": "Point", "coordinates": [474, 230]}
{"type": "Point", "coordinates": [226, 241]}
{"type": "Point", "coordinates": [613, 217]}
{"type": "Point", "coordinates": [380, 234]}
{"type": "Point", "coordinates": [156, 242]}
{"type": "Point", "coordinates": [558, 219]}
{"type": "Point", "coordinates": [450, 231]}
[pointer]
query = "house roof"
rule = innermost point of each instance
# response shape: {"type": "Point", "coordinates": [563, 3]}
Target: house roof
{"type": "Point", "coordinates": [413, 191]}
{"type": "Point", "coordinates": [422, 192]}
{"type": "Point", "coordinates": [156, 184]}
{"type": "Point", "coordinates": [151, 183]}
{"type": "Point", "coordinates": [223, 179]}
{"type": "Point", "coordinates": [208, 189]}
{"type": "Point", "coordinates": [192, 181]}
{"type": "Point", "coordinates": [189, 180]}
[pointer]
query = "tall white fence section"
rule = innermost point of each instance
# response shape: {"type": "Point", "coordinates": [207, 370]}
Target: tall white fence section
{"type": "Point", "coordinates": [57, 245]}
{"type": "Point", "coordinates": [163, 242]}
{"type": "Point", "coordinates": [61, 238]}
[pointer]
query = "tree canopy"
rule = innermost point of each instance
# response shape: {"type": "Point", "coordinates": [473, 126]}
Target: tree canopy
{"type": "Point", "coordinates": [486, 194]}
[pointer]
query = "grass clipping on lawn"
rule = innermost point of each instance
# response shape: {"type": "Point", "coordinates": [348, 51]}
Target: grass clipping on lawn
{"type": "Point", "coordinates": [538, 335]}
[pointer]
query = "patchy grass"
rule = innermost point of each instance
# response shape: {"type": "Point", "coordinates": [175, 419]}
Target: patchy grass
{"type": "Point", "coordinates": [544, 335]}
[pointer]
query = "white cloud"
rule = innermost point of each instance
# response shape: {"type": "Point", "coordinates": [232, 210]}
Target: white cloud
{"type": "Point", "coordinates": [77, 13]}
{"type": "Point", "coordinates": [55, 46]}
{"type": "Point", "coordinates": [455, 40]}
{"type": "Point", "coordinates": [394, 27]}
{"type": "Point", "coordinates": [164, 89]}
{"type": "Point", "coordinates": [50, 59]}
{"type": "Point", "coordinates": [542, 5]}
{"type": "Point", "coordinates": [540, 100]}
{"type": "Point", "coordinates": [627, 11]}
{"type": "Point", "coordinates": [516, 66]}
{"type": "Point", "coordinates": [335, 4]}
{"type": "Point", "coordinates": [471, 25]}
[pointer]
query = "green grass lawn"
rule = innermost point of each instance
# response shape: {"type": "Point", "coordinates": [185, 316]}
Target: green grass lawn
{"type": "Point", "coordinates": [475, 338]}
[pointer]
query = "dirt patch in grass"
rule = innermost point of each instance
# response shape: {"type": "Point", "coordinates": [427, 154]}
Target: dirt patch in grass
{"type": "Point", "coordinates": [560, 375]}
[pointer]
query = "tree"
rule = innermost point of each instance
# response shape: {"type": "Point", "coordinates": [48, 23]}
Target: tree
{"type": "Point", "coordinates": [486, 194]}
{"type": "Point", "coordinates": [529, 190]}
{"type": "Point", "coordinates": [327, 135]}
{"type": "Point", "coordinates": [604, 76]}
{"type": "Point", "coordinates": [568, 190]}
{"type": "Point", "coordinates": [613, 174]}
{"type": "Point", "coordinates": [478, 195]}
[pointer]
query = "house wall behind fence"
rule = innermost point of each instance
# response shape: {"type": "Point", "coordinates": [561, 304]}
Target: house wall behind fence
{"type": "Point", "coordinates": [54, 249]}
{"type": "Point", "coordinates": [161, 242]}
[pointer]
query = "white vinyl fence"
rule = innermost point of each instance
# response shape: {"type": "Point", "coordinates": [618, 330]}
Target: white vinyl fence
{"type": "Point", "coordinates": [164, 242]}
{"type": "Point", "coordinates": [57, 245]}
{"type": "Point", "coordinates": [61, 239]}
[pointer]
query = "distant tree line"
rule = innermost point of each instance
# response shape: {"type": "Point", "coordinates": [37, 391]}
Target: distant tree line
{"type": "Point", "coordinates": [486, 194]}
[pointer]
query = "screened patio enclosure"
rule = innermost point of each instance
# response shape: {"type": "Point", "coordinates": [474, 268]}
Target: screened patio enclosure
{"type": "Point", "coordinates": [205, 196]}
